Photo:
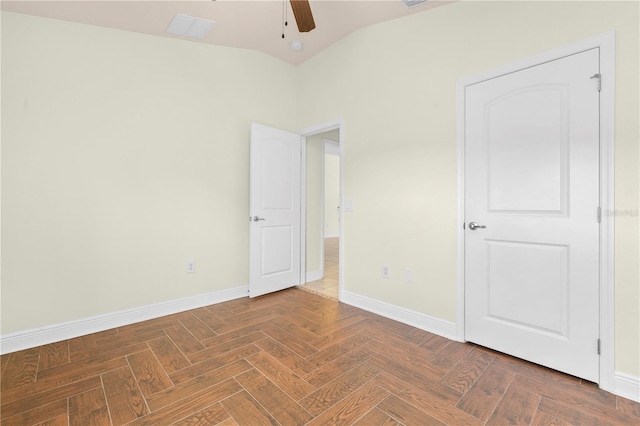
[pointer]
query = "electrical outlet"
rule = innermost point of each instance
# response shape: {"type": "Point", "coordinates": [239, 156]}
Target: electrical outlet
{"type": "Point", "coordinates": [386, 271]}
{"type": "Point", "coordinates": [191, 266]}
{"type": "Point", "coordinates": [408, 275]}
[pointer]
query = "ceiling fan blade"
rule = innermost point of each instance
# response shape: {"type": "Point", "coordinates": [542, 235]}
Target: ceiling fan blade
{"type": "Point", "coordinates": [304, 17]}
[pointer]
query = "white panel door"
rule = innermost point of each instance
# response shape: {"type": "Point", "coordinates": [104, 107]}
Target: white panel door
{"type": "Point", "coordinates": [532, 179]}
{"type": "Point", "coordinates": [275, 210]}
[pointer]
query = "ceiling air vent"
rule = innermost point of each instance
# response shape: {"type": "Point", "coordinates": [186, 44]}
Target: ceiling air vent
{"type": "Point", "coordinates": [189, 26]}
{"type": "Point", "coordinates": [412, 3]}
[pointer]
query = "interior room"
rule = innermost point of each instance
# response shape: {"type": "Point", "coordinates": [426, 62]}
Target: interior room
{"type": "Point", "coordinates": [125, 186]}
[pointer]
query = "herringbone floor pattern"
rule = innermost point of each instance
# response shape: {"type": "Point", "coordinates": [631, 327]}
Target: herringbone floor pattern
{"type": "Point", "coordinates": [290, 358]}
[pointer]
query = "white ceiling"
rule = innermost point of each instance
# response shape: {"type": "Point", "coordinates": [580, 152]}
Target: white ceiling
{"type": "Point", "coordinates": [248, 24]}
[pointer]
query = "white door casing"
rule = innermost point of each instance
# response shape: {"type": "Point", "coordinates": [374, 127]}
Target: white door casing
{"type": "Point", "coordinates": [275, 210]}
{"type": "Point", "coordinates": [532, 178]}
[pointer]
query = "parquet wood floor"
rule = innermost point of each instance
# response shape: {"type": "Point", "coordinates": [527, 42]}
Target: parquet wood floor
{"type": "Point", "coordinates": [289, 358]}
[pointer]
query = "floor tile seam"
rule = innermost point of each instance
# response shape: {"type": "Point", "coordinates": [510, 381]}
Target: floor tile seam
{"type": "Point", "coordinates": [317, 367]}
{"type": "Point", "coordinates": [196, 394]}
{"type": "Point", "coordinates": [237, 327]}
{"type": "Point", "coordinates": [537, 408]}
{"type": "Point", "coordinates": [368, 411]}
{"type": "Point", "coordinates": [150, 413]}
{"type": "Point", "coordinates": [302, 376]}
{"type": "Point", "coordinates": [350, 393]}
{"type": "Point", "coordinates": [242, 389]}
{"type": "Point", "coordinates": [66, 384]}
{"type": "Point", "coordinates": [409, 364]}
{"type": "Point", "coordinates": [4, 403]}
{"type": "Point", "coordinates": [201, 409]}
{"type": "Point", "coordinates": [199, 320]}
{"type": "Point", "coordinates": [117, 341]}
{"type": "Point", "coordinates": [288, 369]}
{"type": "Point", "coordinates": [157, 360]}
{"type": "Point", "coordinates": [506, 389]}
{"type": "Point", "coordinates": [68, 361]}
{"type": "Point", "coordinates": [194, 379]}
{"type": "Point", "coordinates": [104, 396]}
{"type": "Point", "coordinates": [302, 327]}
{"type": "Point", "coordinates": [297, 402]}
{"type": "Point", "coordinates": [179, 350]}
{"type": "Point", "coordinates": [252, 311]}
{"type": "Point", "coordinates": [472, 386]}
{"type": "Point", "coordinates": [291, 336]}
{"type": "Point", "coordinates": [88, 360]}
{"type": "Point", "coordinates": [342, 375]}
{"type": "Point", "coordinates": [352, 325]}
{"type": "Point", "coordinates": [188, 331]}
{"type": "Point", "coordinates": [35, 375]}
{"type": "Point", "coordinates": [457, 363]}
{"type": "Point", "coordinates": [588, 408]}
{"type": "Point", "coordinates": [406, 402]}
{"type": "Point", "coordinates": [228, 342]}
{"type": "Point", "coordinates": [568, 401]}
{"type": "Point", "coordinates": [135, 379]}
{"type": "Point", "coordinates": [392, 393]}
{"type": "Point", "coordinates": [5, 418]}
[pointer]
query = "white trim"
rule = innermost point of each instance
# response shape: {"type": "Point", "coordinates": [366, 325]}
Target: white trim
{"type": "Point", "coordinates": [310, 131]}
{"type": "Point", "coordinates": [316, 275]}
{"type": "Point", "coordinates": [68, 330]}
{"type": "Point", "coordinates": [606, 43]}
{"type": "Point", "coordinates": [303, 209]}
{"type": "Point", "coordinates": [627, 386]}
{"type": "Point", "coordinates": [329, 147]}
{"type": "Point", "coordinates": [415, 319]}
{"type": "Point", "coordinates": [322, 199]}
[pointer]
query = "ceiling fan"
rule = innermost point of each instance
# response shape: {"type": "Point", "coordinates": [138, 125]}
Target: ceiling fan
{"type": "Point", "coordinates": [303, 15]}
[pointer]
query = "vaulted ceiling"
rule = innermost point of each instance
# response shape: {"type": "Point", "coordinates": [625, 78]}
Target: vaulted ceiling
{"type": "Point", "coordinates": [248, 24]}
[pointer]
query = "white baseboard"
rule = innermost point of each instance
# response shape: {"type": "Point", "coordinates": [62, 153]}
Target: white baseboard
{"type": "Point", "coordinates": [314, 275]}
{"type": "Point", "coordinates": [67, 330]}
{"type": "Point", "coordinates": [416, 319]}
{"type": "Point", "coordinates": [627, 386]}
{"type": "Point", "coordinates": [331, 235]}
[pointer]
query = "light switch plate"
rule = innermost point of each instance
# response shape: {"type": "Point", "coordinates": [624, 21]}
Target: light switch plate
{"type": "Point", "coordinates": [348, 206]}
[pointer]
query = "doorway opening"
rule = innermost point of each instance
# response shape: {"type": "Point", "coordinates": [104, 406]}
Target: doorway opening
{"type": "Point", "coordinates": [322, 230]}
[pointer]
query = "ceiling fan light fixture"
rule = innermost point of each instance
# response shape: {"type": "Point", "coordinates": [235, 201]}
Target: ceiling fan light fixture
{"type": "Point", "coordinates": [297, 45]}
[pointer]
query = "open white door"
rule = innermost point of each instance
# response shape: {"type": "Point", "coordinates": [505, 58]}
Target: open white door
{"type": "Point", "coordinates": [532, 198]}
{"type": "Point", "coordinates": [275, 210]}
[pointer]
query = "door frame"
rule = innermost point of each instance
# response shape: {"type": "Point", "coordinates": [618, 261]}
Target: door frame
{"type": "Point", "coordinates": [304, 133]}
{"type": "Point", "coordinates": [606, 43]}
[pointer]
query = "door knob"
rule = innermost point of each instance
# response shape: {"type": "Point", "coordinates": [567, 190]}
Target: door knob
{"type": "Point", "coordinates": [473, 226]}
{"type": "Point", "coordinates": [256, 218]}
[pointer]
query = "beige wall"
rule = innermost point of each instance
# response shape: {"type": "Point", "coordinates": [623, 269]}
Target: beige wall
{"type": "Point", "coordinates": [313, 203]}
{"type": "Point", "coordinates": [397, 85]}
{"type": "Point", "coordinates": [123, 156]}
{"type": "Point", "coordinates": [331, 195]}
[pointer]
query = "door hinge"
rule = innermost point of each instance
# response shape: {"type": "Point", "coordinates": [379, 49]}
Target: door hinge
{"type": "Point", "coordinates": [598, 346]}
{"type": "Point", "coordinates": [599, 214]}
{"type": "Point", "coordinates": [599, 77]}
